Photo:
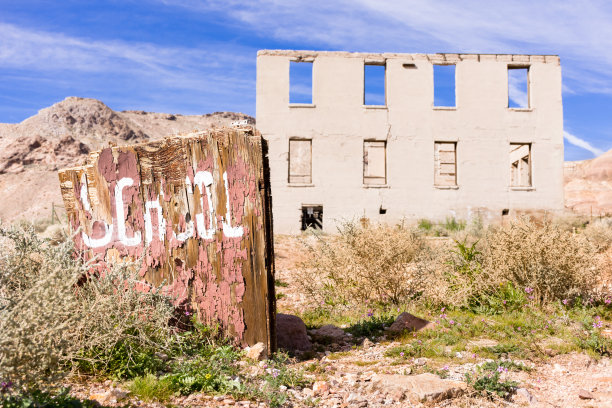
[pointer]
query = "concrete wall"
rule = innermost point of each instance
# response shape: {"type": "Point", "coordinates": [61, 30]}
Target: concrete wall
{"type": "Point", "coordinates": [481, 123]}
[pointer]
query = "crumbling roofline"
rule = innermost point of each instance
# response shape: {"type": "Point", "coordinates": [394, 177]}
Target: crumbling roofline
{"type": "Point", "coordinates": [304, 55]}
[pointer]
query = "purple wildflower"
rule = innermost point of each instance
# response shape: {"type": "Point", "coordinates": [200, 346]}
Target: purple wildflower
{"type": "Point", "coordinates": [528, 290]}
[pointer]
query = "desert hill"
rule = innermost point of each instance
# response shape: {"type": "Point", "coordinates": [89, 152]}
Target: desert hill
{"type": "Point", "coordinates": [62, 135]}
{"type": "Point", "coordinates": [588, 185]}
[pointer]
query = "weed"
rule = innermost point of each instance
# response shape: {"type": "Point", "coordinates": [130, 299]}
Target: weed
{"type": "Point", "coordinates": [506, 364]}
{"type": "Point", "coordinates": [361, 363]}
{"type": "Point", "coordinates": [489, 379]}
{"type": "Point", "coordinates": [425, 224]}
{"type": "Point", "coordinates": [372, 326]}
{"type": "Point", "coordinates": [150, 388]}
{"type": "Point", "coordinates": [214, 370]}
{"type": "Point", "coordinates": [451, 224]}
{"type": "Point", "coordinates": [279, 283]}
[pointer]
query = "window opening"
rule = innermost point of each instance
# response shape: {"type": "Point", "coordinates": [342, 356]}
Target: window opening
{"type": "Point", "coordinates": [312, 217]}
{"type": "Point", "coordinates": [444, 85]}
{"type": "Point", "coordinates": [520, 164]}
{"type": "Point", "coordinates": [374, 84]}
{"type": "Point", "coordinates": [518, 87]}
{"type": "Point", "coordinates": [300, 82]}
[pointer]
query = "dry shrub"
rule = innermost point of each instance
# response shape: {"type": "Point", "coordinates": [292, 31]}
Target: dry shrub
{"type": "Point", "coordinates": [51, 317]}
{"type": "Point", "coordinates": [555, 263]}
{"type": "Point", "coordinates": [456, 276]}
{"type": "Point", "coordinates": [599, 234]}
{"type": "Point", "coordinates": [363, 263]}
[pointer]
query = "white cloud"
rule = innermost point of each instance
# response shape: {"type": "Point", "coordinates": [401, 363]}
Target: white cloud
{"type": "Point", "coordinates": [211, 76]}
{"type": "Point", "coordinates": [576, 141]}
{"type": "Point", "coordinates": [189, 68]}
{"type": "Point", "coordinates": [579, 31]}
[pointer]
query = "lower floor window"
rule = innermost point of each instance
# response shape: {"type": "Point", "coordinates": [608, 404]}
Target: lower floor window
{"type": "Point", "coordinates": [312, 217]}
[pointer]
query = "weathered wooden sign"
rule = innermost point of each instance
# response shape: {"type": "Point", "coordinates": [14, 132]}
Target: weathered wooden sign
{"type": "Point", "coordinates": [196, 209]}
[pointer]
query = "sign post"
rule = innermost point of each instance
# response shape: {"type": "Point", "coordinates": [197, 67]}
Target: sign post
{"type": "Point", "coordinates": [196, 209]}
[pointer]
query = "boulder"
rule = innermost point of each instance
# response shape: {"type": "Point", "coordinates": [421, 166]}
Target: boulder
{"type": "Point", "coordinates": [291, 333]}
{"type": "Point", "coordinates": [329, 334]}
{"type": "Point", "coordinates": [418, 388]}
{"type": "Point", "coordinates": [408, 322]}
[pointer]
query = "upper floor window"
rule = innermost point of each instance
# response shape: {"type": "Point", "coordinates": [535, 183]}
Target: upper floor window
{"type": "Point", "coordinates": [374, 89]}
{"type": "Point", "coordinates": [518, 87]}
{"type": "Point", "coordinates": [300, 82]}
{"type": "Point", "coordinates": [444, 86]}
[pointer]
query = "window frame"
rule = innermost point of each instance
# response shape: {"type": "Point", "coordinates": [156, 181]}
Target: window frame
{"type": "Point", "coordinates": [364, 177]}
{"type": "Point", "coordinates": [438, 165]}
{"type": "Point", "coordinates": [510, 162]}
{"type": "Point", "coordinates": [289, 175]}
{"type": "Point", "coordinates": [513, 66]}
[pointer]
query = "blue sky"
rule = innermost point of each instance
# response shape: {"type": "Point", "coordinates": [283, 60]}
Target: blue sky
{"type": "Point", "coordinates": [198, 56]}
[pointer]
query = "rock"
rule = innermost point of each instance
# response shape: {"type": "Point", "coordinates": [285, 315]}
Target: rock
{"type": "Point", "coordinates": [524, 396]}
{"type": "Point", "coordinates": [328, 333]}
{"type": "Point", "coordinates": [585, 395]}
{"type": "Point", "coordinates": [256, 352]}
{"type": "Point", "coordinates": [406, 321]}
{"type": "Point", "coordinates": [111, 396]}
{"type": "Point", "coordinates": [419, 388]}
{"type": "Point", "coordinates": [308, 392]}
{"type": "Point", "coordinates": [161, 356]}
{"type": "Point", "coordinates": [366, 344]}
{"type": "Point", "coordinates": [421, 361]}
{"type": "Point", "coordinates": [291, 333]}
{"type": "Point", "coordinates": [320, 387]}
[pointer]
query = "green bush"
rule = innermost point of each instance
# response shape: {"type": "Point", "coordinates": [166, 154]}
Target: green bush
{"type": "Point", "coordinates": [42, 399]}
{"type": "Point", "coordinates": [213, 370]}
{"type": "Point", "coordinates": [488, 378]}
{"type": "Point", "coordinates": [150, 388]}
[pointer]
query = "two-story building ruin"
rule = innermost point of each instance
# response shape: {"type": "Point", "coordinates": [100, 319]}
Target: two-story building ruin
{"type": "Point", "coordinates": [405, 157]}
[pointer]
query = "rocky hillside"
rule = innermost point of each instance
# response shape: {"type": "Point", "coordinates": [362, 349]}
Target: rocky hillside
{"type": "Point", "coordinates": [588, 185]}
{"type": "Point", "coordinates": [62, 135]}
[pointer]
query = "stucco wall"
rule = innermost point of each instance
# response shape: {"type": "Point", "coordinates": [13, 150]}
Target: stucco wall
{"type": "Point", "coordinates": [481, 123]}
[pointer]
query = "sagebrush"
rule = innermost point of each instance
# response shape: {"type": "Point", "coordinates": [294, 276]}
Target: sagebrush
{"type": "Point", "coordinates": [56, 313]}
{"type": "Point", "coordinates": [362, 264]}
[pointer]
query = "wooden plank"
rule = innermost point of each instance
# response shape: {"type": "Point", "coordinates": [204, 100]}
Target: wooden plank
{"type": "Point", "coordinates": [197, 209]}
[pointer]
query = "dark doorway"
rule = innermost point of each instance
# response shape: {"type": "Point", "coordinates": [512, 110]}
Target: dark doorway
{"type": "Point", "coordinates": [312, 217]}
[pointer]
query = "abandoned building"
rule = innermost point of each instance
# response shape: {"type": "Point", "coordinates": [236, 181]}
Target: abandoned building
{"type": "Point", "coordinates": [337, 155]}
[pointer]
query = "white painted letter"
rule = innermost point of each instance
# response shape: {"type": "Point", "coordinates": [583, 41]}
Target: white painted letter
{"type": "Point", "coordinates": [135, 240]}
{"type": "Point", "coordinates": [161, 223]}
{"type": "Point", "coordinates": [203, 179]}
{"type": "Point", "coordinates": [108, 229]}
{"type": "Point", "coordinates": [228, 230]}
